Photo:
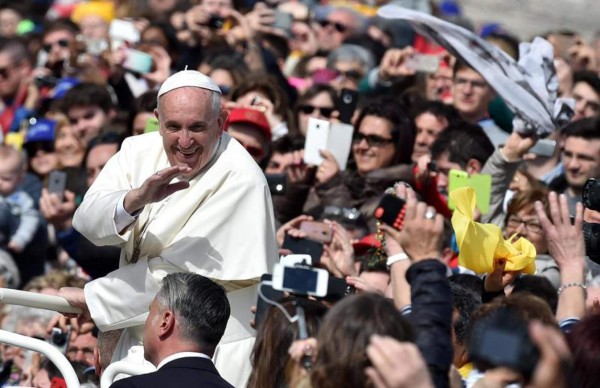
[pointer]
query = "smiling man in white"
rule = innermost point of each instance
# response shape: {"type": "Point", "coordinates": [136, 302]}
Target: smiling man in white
{"type": "Point", "coordinates": [188, 198]}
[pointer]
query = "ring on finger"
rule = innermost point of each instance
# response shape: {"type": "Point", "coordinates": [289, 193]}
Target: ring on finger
{"type": "Point", "coordinates": [430, 214]}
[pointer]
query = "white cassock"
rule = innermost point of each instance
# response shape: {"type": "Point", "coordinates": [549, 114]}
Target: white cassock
{"type": "Point", "coordinates": [221, 227]}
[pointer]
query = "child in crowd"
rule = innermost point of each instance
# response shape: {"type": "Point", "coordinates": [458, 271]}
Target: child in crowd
{"type": "Point", "coordinates": [18, 217]}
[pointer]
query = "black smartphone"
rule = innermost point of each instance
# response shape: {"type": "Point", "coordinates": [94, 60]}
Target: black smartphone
{"type": "Point", "coordinates": [262, 307]}
{"type": "Point", "coordinates": [277, 183]}
{"type": "Point", "coordinates": [391, 211]}
{"type": "Point", "coordinates": [304, 246]}
{"type": "Point", "coordinates": [57, 182]}
{"type": "Point", "coordinates": [347, 105]}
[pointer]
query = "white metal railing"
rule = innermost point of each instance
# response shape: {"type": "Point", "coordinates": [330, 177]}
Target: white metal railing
{"type": "Point", "coordinates": [45, 302]}
{"type": "Point", "coordinates": [48, 350]}
{"type": "Point", "coordinates": [126, 367]}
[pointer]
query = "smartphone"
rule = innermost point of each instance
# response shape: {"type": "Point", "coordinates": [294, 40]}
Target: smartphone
{"type": "Point", "coordinates": [391, 211]}
{"type": "Point", "coordinates": [347, 105]}
{"type": "Point", "coordinates": [303, 246]}
{"type": "Point", "coordinates": [277, 183]}
{"type": "Point", "coordinates": [335, 138]}
{"type": "Point", "coordinates": [123, 30]}
{"type": "Point", "coordinates": [544, 148]}
{"type": "Point", "coordinates": [316, 140]}
{"type": "Point", "coordinates": [138, 61]}
{"type": "Point", "coordinates": [262, 307]}
{"type": "Point", "coordinates": [283, 21]}
{"type": "Point", "coordinates": [481, 183]}
{"type": "Point", "coordinates": [318, 231]}
{"type": "Point", "coordinates": [424, 63]}
{"type": "Point", "coordinates": [301, 280]}
{"type": "Point", "coordinates": [57, 182]}
{"type": "Point", "coordinates": [60, 339]}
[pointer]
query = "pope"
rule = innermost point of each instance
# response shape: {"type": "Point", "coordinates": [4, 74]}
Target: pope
{"type": "Point", "coordinates": [187, 198]}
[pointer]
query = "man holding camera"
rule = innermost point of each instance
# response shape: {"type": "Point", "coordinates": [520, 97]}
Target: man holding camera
{"type": "Point", "coordinates": [174, 200]}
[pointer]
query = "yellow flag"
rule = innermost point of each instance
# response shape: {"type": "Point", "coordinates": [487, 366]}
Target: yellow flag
{"type": "Point", "coordinates": [480, 244]}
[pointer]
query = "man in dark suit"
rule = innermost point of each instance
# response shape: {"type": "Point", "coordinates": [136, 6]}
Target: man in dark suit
{"type": "Point", "coordinates": [186, 322]}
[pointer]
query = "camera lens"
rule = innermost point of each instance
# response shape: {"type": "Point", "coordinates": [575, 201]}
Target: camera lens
{"type": "Point", "coordinates": [59, 339]}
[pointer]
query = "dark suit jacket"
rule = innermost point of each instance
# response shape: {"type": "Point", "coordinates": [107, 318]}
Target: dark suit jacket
{"type": "Point", "coordinates": [180, 373]}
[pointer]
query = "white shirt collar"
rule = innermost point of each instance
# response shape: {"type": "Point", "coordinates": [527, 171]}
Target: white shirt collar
{"type": "Point", "coordinates": [177, 356]}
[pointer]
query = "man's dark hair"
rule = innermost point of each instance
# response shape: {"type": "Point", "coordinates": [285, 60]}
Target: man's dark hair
{"type": "Point", "coordinates": [437, 109]}
{"type": "Point", "coordinates": [538, 286]}
{"type": "Point", "coordinates": [471, 282]}
{"type": "Point", "coordinates": [62, 24]}
{"type": "Point", "coordinates": [110, 137]}
{"type": "Point", "coordinates": [588, 77]}
{"type": "Point", "coordinates": [16, 50]}
{"type": "Point", "coordinates": [465, 302]}
{"type": "Point", "coordinates": [88, 94]}
{"type": "Point", "coordinates": [200, 306]}
{"type": "Point", "coordinates": [463, 141]}
{"type": "Point", "coordinates": [460, 65]}
{"type": "Point", "coordinates": [588, 128]}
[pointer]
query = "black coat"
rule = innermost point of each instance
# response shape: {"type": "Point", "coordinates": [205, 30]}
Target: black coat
{"type": "Point", "coordinates": [183, 372]}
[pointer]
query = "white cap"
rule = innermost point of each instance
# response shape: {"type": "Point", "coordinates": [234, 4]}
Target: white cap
{"type": "Point", "coordinates": [188, 78]}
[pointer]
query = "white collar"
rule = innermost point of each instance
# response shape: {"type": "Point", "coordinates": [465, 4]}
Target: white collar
{"type": "Point", "coordinates": [177, 356]}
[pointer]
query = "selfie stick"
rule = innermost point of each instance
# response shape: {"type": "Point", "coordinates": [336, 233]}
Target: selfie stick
{"type": "Point", "coordinates": [38, 301]}
{"type": "Point", "coordinates": [303, 334]}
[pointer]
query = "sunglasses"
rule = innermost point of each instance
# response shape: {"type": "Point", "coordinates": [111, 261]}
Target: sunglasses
{"type": "Point", "coordinates": [64, 43]}
{"type": "Point", "coordinates": [339, 27]}
{"type": "Point", "coordinates": [372, 140]}
{"type": "Point", "coordinates": [309, 109]}
{"type": "Point", "coordinates": [351, 74]}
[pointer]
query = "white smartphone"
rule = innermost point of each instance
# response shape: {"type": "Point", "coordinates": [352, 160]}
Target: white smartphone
{"type": "Point", "coordinates": [424, 63]}
{"type": "Point", "coordinates": [317, 136]}
{"type": "Point", "coordinates": [335, 138]}
{"type": "Point", "coordinates": [123, 30]}
{"type": "Point", "coordinates": [544, 147]}
{"type": "Point", "coordinates": [292, 260]}
{"type": "Point", "coordinates": [300, 280]}
{"type": "Point", "coordinates": [340, 142]}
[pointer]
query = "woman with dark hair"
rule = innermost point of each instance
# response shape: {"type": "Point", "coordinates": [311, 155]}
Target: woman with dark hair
{"type": "Point", "coordinates": [381, 151]}
{"type": "Point", "coordinates": [272, 366]}
{"type": "Point", "coordinates": [318, 102]}
{"type": "Point", "coordinates": [345, 334]}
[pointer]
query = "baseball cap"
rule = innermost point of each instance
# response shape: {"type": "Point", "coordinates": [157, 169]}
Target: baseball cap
{"type": "Point", "coordinates": [249, 116]}
{"type": "Point", "coordinates": [41, 130]}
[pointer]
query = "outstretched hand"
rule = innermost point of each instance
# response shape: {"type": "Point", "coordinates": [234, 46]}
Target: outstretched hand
{"type": "Point", "coordinates": [156, 188]}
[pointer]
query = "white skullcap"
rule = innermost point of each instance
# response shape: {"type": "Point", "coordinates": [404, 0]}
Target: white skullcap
{"type": "Point", "coordinates": [188, 78]}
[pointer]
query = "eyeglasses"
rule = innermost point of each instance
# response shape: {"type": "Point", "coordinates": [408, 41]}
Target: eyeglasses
{"type": "Point", "coordinates": [341, 213]}
{"type": "Point", "coordinates": [531, 225]}
{"type": "Point", "coordinates": [351, 74]}
{"type": "Point", "coordinates": [372, 140]}
{"type": "Point", "coordinates": [64, 43]}
{"type": "Point", "coordinates": [339, 27]}
{"type": "Point", "coordinates": [309, 109]}
{"type": "Point", "coordinates": [476, 84]}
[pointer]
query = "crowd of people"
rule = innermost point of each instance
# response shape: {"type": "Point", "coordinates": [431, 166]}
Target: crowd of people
{"type": "Point", "coordinates": [152, 170]}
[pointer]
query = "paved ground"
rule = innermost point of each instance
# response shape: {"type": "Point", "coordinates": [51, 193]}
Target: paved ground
{"type": "Point", "coordinates": [526, 18]}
